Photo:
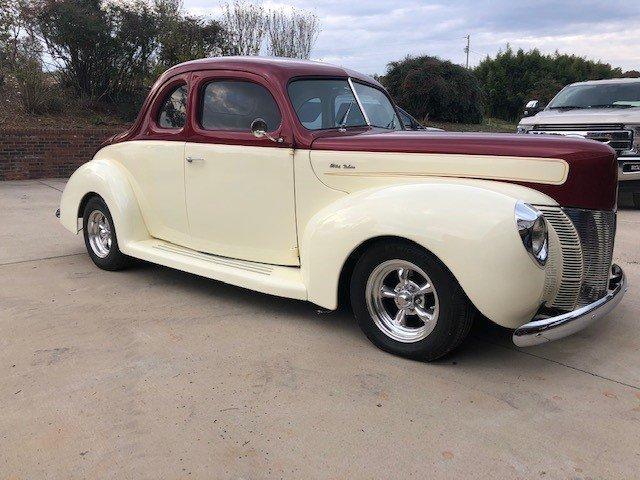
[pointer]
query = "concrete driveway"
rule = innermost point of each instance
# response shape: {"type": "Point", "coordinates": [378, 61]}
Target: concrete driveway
{"type": "Point", "coordinates": [154, 373]}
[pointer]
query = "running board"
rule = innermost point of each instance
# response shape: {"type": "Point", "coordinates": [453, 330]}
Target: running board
{"type": "Point", "coordinates": [271, 279]}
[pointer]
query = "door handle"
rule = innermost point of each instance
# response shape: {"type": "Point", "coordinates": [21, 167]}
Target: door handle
{"type": "Point", "coordinates": [194, 159]}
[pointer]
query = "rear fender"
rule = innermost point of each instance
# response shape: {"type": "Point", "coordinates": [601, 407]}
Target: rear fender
{"type": "Point", "coordinates": [109, 180]}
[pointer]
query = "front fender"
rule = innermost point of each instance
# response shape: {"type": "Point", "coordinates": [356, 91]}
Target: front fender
{"type": "Point", "coordinates": [109, 180]}
{"type": "Point", "coordinates": [470, 229]}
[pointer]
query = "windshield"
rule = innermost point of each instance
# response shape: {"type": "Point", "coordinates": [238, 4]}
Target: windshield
{"type": "Point", "coordinates": [328, 103]}
{"type": "Point", "coordinates": [604, 95]}
{"type": "Point", "coordinates": [377, 107]}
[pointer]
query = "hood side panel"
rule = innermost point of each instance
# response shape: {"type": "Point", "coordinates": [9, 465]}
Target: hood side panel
{"type": "Point", "coordinates": [590, 182]}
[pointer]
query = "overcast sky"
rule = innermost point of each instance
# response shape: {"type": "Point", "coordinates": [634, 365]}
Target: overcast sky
{"type": "Point", "coordinates": [367, 34]}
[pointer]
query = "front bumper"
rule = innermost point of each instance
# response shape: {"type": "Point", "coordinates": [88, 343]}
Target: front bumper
{"type": "Point", "coordinates": [628, 169]}
{"type": "Point", "coordinates": [544, 330]}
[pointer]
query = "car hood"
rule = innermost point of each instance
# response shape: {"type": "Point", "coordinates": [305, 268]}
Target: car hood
{"type": "Point", "coordinates": [585, 116]}
{"type": "Point", "coordinates": [590, 179]}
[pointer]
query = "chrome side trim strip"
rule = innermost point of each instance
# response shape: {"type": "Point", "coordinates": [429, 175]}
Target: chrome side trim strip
{"type": "Point", "coordinates": [227, 262]}
{"type": "Point", "coordinates": [545, 330]}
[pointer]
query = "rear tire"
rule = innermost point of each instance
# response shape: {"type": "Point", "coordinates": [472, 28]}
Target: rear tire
{"type": "Point", "coordinates": [408, 303]}
{"type": "Point", "coordinates": [100, 236]}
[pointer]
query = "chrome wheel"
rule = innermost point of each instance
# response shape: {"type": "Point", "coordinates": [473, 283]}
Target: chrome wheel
{"type": "Point", "coordinates": [99, 233]}
{"type": "Point", "coordinates": [402, 301]}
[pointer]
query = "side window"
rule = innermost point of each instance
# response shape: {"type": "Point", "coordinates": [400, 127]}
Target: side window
{"type": "Point", "coordinates": [173, 112]}
{"type": "Point", "coordinates": [234, 104]}
{"type": "Point", "coordinates": [406, 120]}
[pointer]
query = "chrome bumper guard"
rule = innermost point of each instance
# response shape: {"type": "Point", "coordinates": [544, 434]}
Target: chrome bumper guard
{"type": "Point", "coordinates": [544, 330]}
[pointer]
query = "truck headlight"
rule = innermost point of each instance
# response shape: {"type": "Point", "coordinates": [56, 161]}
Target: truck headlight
{"type": "Point", "coordinates": [523, 129]}
{"type": "Point", "coordinates": [635, 147]}
{"type": "Point", "coordinates": [532, 228]}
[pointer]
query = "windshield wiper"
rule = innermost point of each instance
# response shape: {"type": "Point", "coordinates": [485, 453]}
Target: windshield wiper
{"type": "Point", "coordinates": [343, 120]}
{"type": "Point", "coordinates": [566, 107]}
{"type": "Point", "coordinates": [612, 105]}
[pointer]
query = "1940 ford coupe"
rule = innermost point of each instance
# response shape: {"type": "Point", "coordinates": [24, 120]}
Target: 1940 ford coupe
{"type": "Point", "coordinates": [298, 179]}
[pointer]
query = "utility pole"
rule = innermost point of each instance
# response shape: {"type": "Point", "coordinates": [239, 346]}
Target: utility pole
{"type": "Point", "coordinates": [466, 49]}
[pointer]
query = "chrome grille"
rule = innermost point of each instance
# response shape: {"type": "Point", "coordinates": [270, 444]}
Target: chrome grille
{"type": "Point", "coordinates": [614, 135]}
{"type": "Point", "coordinates": [578, 126]}
{"type": "Point", "coordinates": [597, 230]}
{"type": "Point", "coordinates": [585, 250]}
{"type": "Point", "coordinates": [566, 278]}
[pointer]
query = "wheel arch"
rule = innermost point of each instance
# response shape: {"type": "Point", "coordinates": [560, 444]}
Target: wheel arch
{"type": "Point", "coordinates": [83, 202]}
{"type": "Point", "coordinates": [349, 264]}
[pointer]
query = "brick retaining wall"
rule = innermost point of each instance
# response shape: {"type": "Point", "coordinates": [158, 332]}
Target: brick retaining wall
{"type": "Point", "coordinates": [27, 153]}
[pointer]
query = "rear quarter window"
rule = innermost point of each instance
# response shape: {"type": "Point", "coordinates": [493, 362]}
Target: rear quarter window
{"type": "Point", "coordinates": [173, 111]}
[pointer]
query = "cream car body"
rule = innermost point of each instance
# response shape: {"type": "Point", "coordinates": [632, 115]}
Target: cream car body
{"type": "Point", "coordinates": [288, 217]}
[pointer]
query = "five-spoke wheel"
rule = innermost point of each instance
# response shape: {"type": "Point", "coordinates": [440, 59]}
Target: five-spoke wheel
{"type": "Point", "coordinates": [402, 300]}
{"type": "Point", "coordinates": [99, 232]}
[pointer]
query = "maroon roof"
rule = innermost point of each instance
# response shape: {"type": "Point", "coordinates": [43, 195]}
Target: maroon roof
{"type": "Point", "coordinates": [281, 69]}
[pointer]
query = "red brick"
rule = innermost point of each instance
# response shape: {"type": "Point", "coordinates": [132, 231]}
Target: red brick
{"type": "Point", "coordinates": [40, 152]}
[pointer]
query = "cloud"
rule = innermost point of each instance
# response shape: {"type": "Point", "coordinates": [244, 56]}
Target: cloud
{"type": "Point", "coordinates": [366, 35]}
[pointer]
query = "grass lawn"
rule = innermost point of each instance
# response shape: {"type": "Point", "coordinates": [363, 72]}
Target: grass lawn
{"type": "Point", "coordinates": [488, 125]}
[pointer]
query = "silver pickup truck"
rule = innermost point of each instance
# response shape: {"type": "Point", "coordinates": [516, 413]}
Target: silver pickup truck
{"type": "Point", "coordinates": [607, 111]}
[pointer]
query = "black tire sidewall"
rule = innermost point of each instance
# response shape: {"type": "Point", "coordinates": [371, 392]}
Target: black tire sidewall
{"type": "Point", "coordinates": [453, 303]}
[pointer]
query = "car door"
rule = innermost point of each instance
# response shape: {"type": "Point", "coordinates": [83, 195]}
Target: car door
{"type": "Point", "coordinates": [154, 161]}
{"type": "Point", "coordinates": [239, 188]}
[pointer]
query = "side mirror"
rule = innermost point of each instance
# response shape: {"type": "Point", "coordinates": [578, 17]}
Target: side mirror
{"type": "Point", "coordinates": [531, 108]}
{"type": "Point", "coordinates": [259, 129]}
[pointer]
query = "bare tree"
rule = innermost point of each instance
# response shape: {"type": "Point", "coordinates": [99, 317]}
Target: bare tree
{"type": "Point", "coordinates": [292, 35]}
{"type": "Point", "coordinates": [245, 25]}
{"type": "Point", "coordinates": [12, 29]}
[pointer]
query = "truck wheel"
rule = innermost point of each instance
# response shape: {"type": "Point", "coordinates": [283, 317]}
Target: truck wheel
{"type": "Point", "coordinates": [408, 303]}
{"type": "Point", "coordinates": [100, 236]}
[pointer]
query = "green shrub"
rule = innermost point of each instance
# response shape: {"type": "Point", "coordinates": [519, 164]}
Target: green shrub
{"type": "Point", "coordinates": [428, 87]}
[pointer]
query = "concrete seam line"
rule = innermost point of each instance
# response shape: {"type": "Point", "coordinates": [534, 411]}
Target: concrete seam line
{"type": "Point", "coordinates": [635, 387]}
{"type": "Point", "coordinates": [39, 259]}
{"type": "Point", "coordinates": [50, 186]}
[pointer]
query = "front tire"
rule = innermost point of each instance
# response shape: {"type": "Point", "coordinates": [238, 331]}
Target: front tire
{"type": "Point", "coordinates": [408, 303]}
{"type": "Point", "coordinates": [100, 236]}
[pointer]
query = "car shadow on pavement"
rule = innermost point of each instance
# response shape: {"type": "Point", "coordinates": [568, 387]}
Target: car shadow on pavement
{"type": "Point", "coordinates": [229, 294]}
{"type": "Point", "coordinates": [483, 331]}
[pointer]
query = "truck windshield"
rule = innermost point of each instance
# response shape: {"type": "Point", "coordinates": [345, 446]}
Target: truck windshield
{"type": "Point", "coordinates": [332, 103]}
{"type": "Point", "coordinates": [603, 95]}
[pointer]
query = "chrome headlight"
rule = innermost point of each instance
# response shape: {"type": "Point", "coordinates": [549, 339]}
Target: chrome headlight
{"type": "Point", "coordinates": [532, 228]}
{"type": "Point", "coordinates": [523, 129]}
